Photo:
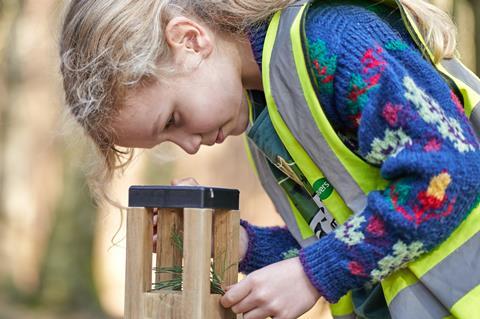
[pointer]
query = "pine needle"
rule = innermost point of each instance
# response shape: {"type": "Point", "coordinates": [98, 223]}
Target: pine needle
{"type": "Point", "coordinates": [176, 283]}
{"type": "Point", "coordinates": [177, 240]}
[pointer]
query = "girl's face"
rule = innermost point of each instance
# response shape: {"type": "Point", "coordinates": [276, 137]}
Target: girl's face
{"type": "Point", "coordinates": [203, 104]}
{"type": "Point", "coordinates": [202, 107]}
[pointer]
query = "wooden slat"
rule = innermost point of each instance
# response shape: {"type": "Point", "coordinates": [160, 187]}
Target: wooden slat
{"type": "Point", "coordinates": [138, 279]}
{"type": "Point", "coordinates": [225, 239]}
{"type": "Point", "coordinates": [218, 312]}
{"type": "Point", "coordinates": [164, 305]}
{"type": "Point", "coordinates": [168, 305]}
{"type": "Point", "coordinates": [226, 244]}
{"type": "Point", "coordinates": [197, 251]}
{"type": "Point", "coordinates": [170, 220]}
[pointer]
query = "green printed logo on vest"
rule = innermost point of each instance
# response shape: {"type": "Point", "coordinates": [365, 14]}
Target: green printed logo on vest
{"type": "Point", "coordinates": [323, 188]}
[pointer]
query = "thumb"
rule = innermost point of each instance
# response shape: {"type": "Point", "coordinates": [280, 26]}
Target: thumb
{"type": "Point", "coordinates": [186, 181]}
{"type": "Point", "coordinates": [225, 287]}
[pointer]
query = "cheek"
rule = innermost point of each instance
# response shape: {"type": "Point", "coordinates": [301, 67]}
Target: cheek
{"type": "Point", "coordinates": [229, 96]}
{"type": "Point", "coordinates": [133, 130]}
{"type": "Point", "coordinates": [232, 88]}
{"type": "Point", "coordinates": [203, 121]}
{"type": "Point", "coordinates": [225, 84]}
{"type": "Point", "coordinates": [212, 102]}
{"type": "Point", "coordinates": [206, 111]}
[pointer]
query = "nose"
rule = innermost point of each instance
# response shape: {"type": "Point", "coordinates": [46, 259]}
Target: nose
{"type": "Point", "coordinates": [190, 143]}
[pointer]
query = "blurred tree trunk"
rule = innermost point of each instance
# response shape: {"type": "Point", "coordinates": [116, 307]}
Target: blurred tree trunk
{"type": "Point", "coordinates": [9, 69]}
{"type": "Point", "coordinates": [9, 16]}
{"type": "Point", "coordinates": [67, 279]}
{"type": "Point", "coordinates": [476, 11]}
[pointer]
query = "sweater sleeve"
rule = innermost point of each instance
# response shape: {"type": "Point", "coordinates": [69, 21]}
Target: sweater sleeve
{"type": "Point", "coordinates": [403, 118]}
{"type": "Point", "coordinates": [266, 245]}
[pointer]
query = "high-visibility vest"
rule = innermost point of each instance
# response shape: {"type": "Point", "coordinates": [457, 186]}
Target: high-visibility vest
{"type": "Point", "coordinates": [444, 283]}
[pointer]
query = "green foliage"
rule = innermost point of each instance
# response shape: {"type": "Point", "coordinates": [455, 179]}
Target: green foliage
{"type": "Point", "coordinates": [176, 282]}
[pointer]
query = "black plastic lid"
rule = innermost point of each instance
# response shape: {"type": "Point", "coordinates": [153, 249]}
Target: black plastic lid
{"type": "Point", "coordinates": [182, 197]}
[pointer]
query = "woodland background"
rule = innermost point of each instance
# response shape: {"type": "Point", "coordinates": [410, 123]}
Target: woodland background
{"type": "Point", "coordinates": [60, 255]}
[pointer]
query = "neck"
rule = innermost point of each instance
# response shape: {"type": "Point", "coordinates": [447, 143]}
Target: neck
{"type": "Point", "coordinates": [250, 72]}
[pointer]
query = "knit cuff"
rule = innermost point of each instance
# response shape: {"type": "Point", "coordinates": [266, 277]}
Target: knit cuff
{"type": "Point", "coordinates": [245, 262]}
{"type": "Point", "coordinates": [326, 268]}
{"type": "Point", "coordinates": [266, 245]}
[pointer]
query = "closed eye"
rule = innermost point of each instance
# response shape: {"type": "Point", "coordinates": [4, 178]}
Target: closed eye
{"type": "Point", "coordinates": [170, 122]}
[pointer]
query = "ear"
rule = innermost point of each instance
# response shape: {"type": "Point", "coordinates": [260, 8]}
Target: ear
{"type": "Point", "coordinates": [185, 36]}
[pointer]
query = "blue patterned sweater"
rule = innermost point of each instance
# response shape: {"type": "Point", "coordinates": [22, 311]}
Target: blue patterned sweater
{"type": "Point", "coordinates": [391, 107]}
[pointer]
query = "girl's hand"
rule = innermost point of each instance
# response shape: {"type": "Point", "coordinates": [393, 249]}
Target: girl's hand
{"type": "Point", "coordinates": [243, 243]}
{"type": "Point", "coordinates": [190, 181]}
{"type": "Point", "coordinates": [281, 291]}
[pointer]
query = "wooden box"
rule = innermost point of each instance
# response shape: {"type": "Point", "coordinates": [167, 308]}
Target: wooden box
{"type": "Point", "coordinates": [204, 215]}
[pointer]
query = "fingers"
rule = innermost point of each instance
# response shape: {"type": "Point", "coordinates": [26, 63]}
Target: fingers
{"type": "Point", "coordinates": [245, 305]}
{"type": "Point", "coordinates": [243, 243]}
{"type": "Point", "coordinates": [187, 181]}
{"type": "Point", "coordinates": [236, 293]}
{"type": "Point", "coordinates": [154, 242]}
{"type": "Point", "coordinates": [155, 237]}
{"type": "Point", "coordinates": [154, 218]}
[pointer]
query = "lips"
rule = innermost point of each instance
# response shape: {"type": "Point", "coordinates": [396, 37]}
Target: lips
{"type": "Point", "coordinates": [220, 136]}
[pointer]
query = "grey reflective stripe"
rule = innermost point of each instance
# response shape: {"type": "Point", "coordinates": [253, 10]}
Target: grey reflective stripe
{"type": "Point", "coordinates": [456, 274]}
{"type": "Point", "coordinates": [416, 301]}
{"type": "Point", "coordinates": [475, 119]}
{"type": "Point", "coordinates": [443, 285]}
{"type": "Point", "coordinates": [288, 95]}
{"type": "Point", "coordinates": [352, 316]}
{"type": "Point", "coordinates": [455, 68]}
{"type": "Point", "coordinates": [277, 195]}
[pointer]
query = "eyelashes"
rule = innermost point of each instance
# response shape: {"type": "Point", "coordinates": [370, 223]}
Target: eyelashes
{"type": "Point", "coordinates": [171, 121]}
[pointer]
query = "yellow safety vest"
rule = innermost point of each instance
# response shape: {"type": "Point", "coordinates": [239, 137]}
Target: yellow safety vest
{"type": "Point", "coordinates": [443, 283]}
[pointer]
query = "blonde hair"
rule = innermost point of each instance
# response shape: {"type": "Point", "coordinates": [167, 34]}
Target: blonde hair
{"type": "Point", "coordinates": [436, 27]}
{"type": "Point", "coordinates": [109, 46]}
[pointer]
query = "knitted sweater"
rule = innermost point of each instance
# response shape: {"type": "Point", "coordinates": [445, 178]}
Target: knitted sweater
{"type": "Point", "coordinates": [394, 110]}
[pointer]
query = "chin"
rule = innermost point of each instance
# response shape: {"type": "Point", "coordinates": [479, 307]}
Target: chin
{"type": "Point", "coordinates": [244, 126]}
{"type": "Point", "coordinates": [236, 132]}
{"type": "Point", "coordinates": [240, 127]}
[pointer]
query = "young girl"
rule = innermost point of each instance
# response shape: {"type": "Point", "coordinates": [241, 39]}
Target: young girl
{"type": "Point", "coordinates": [390, 145]}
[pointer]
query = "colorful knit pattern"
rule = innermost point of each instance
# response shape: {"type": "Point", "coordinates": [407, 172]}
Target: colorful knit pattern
{"type": "Point", "coordinates": [362, 83]}
{"type": "Point", "coordinates": [413, 128]}
{"type": "Point", "coordinates": [324, 65]}
{"type": "Point", "coordinates": [407, 122]}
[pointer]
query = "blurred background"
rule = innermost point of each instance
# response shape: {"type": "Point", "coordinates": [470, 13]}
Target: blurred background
{"type": "Point", "coordinates": [60, 256]}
